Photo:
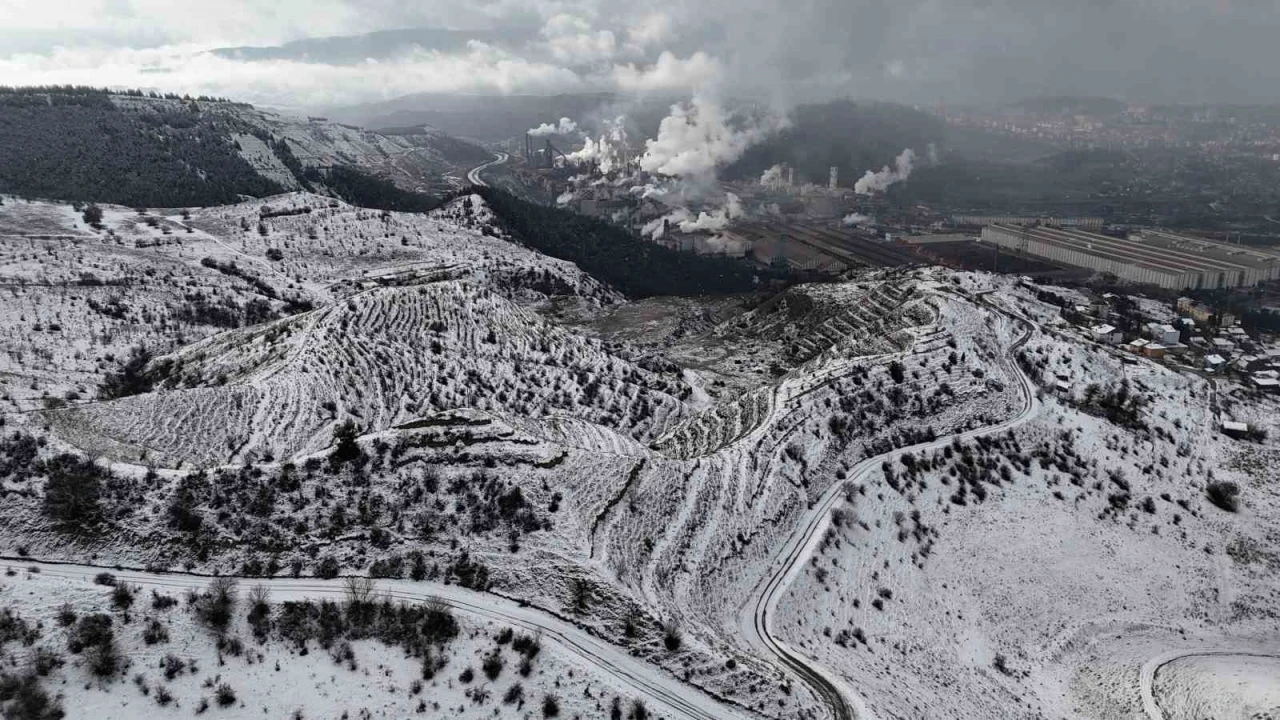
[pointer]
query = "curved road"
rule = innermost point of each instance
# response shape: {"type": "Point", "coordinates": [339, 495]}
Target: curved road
{"type": "Point", "coordinates": [757, 613]}
{"type": "Point", "coordinates": [667, 695]}
{"type": "Point", "coordinates": [474, 178]}
{"type": "Point", "coordinates": [1152, 666]}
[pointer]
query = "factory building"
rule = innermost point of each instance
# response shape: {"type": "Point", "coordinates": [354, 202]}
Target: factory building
{"type": "Point", "coordinates": [1151, 257]}
{"type": "Point", "coordinates": [985, 220]}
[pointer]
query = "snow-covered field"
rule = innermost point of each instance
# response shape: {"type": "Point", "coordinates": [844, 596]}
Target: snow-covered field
{"type": "Point", "coordinates": [339, 390]}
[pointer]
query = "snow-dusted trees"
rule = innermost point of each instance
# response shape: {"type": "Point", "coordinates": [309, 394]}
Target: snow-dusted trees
{"type": "Point", "coordinates": [72, 491]}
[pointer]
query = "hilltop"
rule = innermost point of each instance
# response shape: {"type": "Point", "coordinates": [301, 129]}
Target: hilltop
{"type": "Point", "coordinates": [142, 150]}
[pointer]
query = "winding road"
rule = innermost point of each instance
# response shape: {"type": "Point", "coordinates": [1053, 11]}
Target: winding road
{"type": "Point", "coordinates": [474, 178]}
{"type": "Point", "coordinates": [667, 695]}
{"type": "Point", "coordinates": [757, 613]}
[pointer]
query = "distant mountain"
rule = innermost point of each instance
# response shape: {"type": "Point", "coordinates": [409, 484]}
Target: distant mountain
{"type": "Point", "coordinates": [169, 151]}
{"type": "Point", "coordinates": [352, 49]}
{"type": "Point", "coordinates": [491, 118]}
{"type": "Point", "coordinates": [852, 136]}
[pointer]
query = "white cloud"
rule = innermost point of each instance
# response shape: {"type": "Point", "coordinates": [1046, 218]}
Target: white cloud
{"type": "Point", "coordinates": [654, 29]}
{"type": "Point", "coordinates": [571, 40]}
{"type": "Point", "coordinates": [214, 23]}
{"type": "Point", "coordinates": [186, 69]}
{"type": "Point", "coordinates": [906, 50]}
{"type": "Point", "coordinates": [668, 74]}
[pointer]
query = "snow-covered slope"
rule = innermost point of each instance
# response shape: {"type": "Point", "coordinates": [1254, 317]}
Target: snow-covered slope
{"type": "Point", "coordinates": [419, 159]}
{"type": "Point", "coordinates": [884, 474]}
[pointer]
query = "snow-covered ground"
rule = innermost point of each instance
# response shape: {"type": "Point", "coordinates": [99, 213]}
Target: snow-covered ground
{"type": "Point", "coordinates": [346, 390]}
{"type": "Point", "coordinates": [273, 677]}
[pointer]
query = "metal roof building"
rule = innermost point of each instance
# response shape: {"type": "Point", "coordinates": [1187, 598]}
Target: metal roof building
{"type": "Point", "coordinates": [1151, 257]}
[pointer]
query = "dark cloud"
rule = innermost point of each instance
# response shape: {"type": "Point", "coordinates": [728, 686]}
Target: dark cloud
{"type": "Point", "coordinates": [784, 51]}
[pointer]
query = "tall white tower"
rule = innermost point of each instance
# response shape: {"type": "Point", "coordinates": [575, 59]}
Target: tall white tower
{"type": "Point", "coordinates": [835, 177]}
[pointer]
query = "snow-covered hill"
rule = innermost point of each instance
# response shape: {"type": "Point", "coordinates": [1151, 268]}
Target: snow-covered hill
{"type": "Point", "coordinates": [884, 475]}
{"type": "Point", "coordinates": [147, 150]}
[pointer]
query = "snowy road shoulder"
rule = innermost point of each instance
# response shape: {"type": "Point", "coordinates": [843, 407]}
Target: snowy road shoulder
{"type": "Point", "coordinates": [668, 696]}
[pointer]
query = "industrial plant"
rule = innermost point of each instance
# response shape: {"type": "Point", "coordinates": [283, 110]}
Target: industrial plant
{"type": "Point", "coordinates": [824, 229]}
{"type": "Point", "coordinates": [1151, 257]}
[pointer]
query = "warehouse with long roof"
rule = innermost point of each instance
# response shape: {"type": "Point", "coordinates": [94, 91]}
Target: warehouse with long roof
{"type": "Point", "coordinates": [1151, 257]}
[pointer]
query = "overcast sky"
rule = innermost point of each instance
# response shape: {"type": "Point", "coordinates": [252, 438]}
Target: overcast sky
{"type": "Point", "coordinates": [785, 51]}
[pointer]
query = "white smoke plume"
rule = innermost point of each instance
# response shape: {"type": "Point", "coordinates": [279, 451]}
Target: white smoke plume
{"type": "Point", "coordinates": [727, 245]}
{"type": "Point", "coordinates": [933, 154]}
{"type": "Point", "coordinates": [685, 220]}
{"type": "Point", "coordinates": [567, 197]}
{"type": "Point", "coordinates": [656, 228]}
{"type": "Point", "coordinates": [880, 181]}
{"type": "Point", "coordinates": [772, 177]}
{"type": "Point", "coordinates": [606, 154]}
{"type": "Point", "coordinates": [698, 137]}
{"type": "Point", "coordinates": [564, 127]}
{"type": "Point", "coordinates": [855, 219]}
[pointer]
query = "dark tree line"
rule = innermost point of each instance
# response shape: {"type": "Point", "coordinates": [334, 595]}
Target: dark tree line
{"type": "Point", "coordinates": [614, 255]}
{"type": "Point", "coordinates": [367, 191]}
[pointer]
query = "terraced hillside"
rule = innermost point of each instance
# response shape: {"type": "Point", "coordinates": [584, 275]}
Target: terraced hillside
{"type": "Point", "coordinates": [827, 500]}
{"type": "Point", "coordinates": [408, 405]}
{"type": "Point", "coordinates": [380, 358]}
{"type": "Point", "coordinates": [80, 299]}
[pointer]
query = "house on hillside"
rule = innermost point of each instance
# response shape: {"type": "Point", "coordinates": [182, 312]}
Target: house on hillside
{"type": "Point", "coordinates": [1265, 384]}
{"type": "Point", "coordinates": [1155, 351]}
{"type": "Point", "coordinates": [1202, 314]}
{"type": "Point", "coordinates": [1106, 334]}
{"type": "Point", "coordinates": [1214, 363]}
{"type": "Point", "coordinates": [1163, 333]}
{"type": "Point", "coordinates": [1251, 363]}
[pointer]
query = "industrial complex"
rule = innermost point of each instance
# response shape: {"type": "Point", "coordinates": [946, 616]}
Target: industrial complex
{"type": "Point", "coordinates": [815, 247]}
{"type": "Point", "coordinates": [823, 228]}
{"type": "Point", "coordinates": [1151, 257]}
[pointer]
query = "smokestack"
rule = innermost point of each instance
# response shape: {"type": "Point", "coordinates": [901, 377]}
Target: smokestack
{"type": "Point", "coordinates": [835, 177]}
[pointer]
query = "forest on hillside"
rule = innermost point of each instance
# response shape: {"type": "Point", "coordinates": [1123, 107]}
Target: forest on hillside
{"type": "Point", "coordinates": [77, 144]}
{"type": "Point", "coordinates": [854, 137]}
{"type": "Point", "coordinates": [615, 256]}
